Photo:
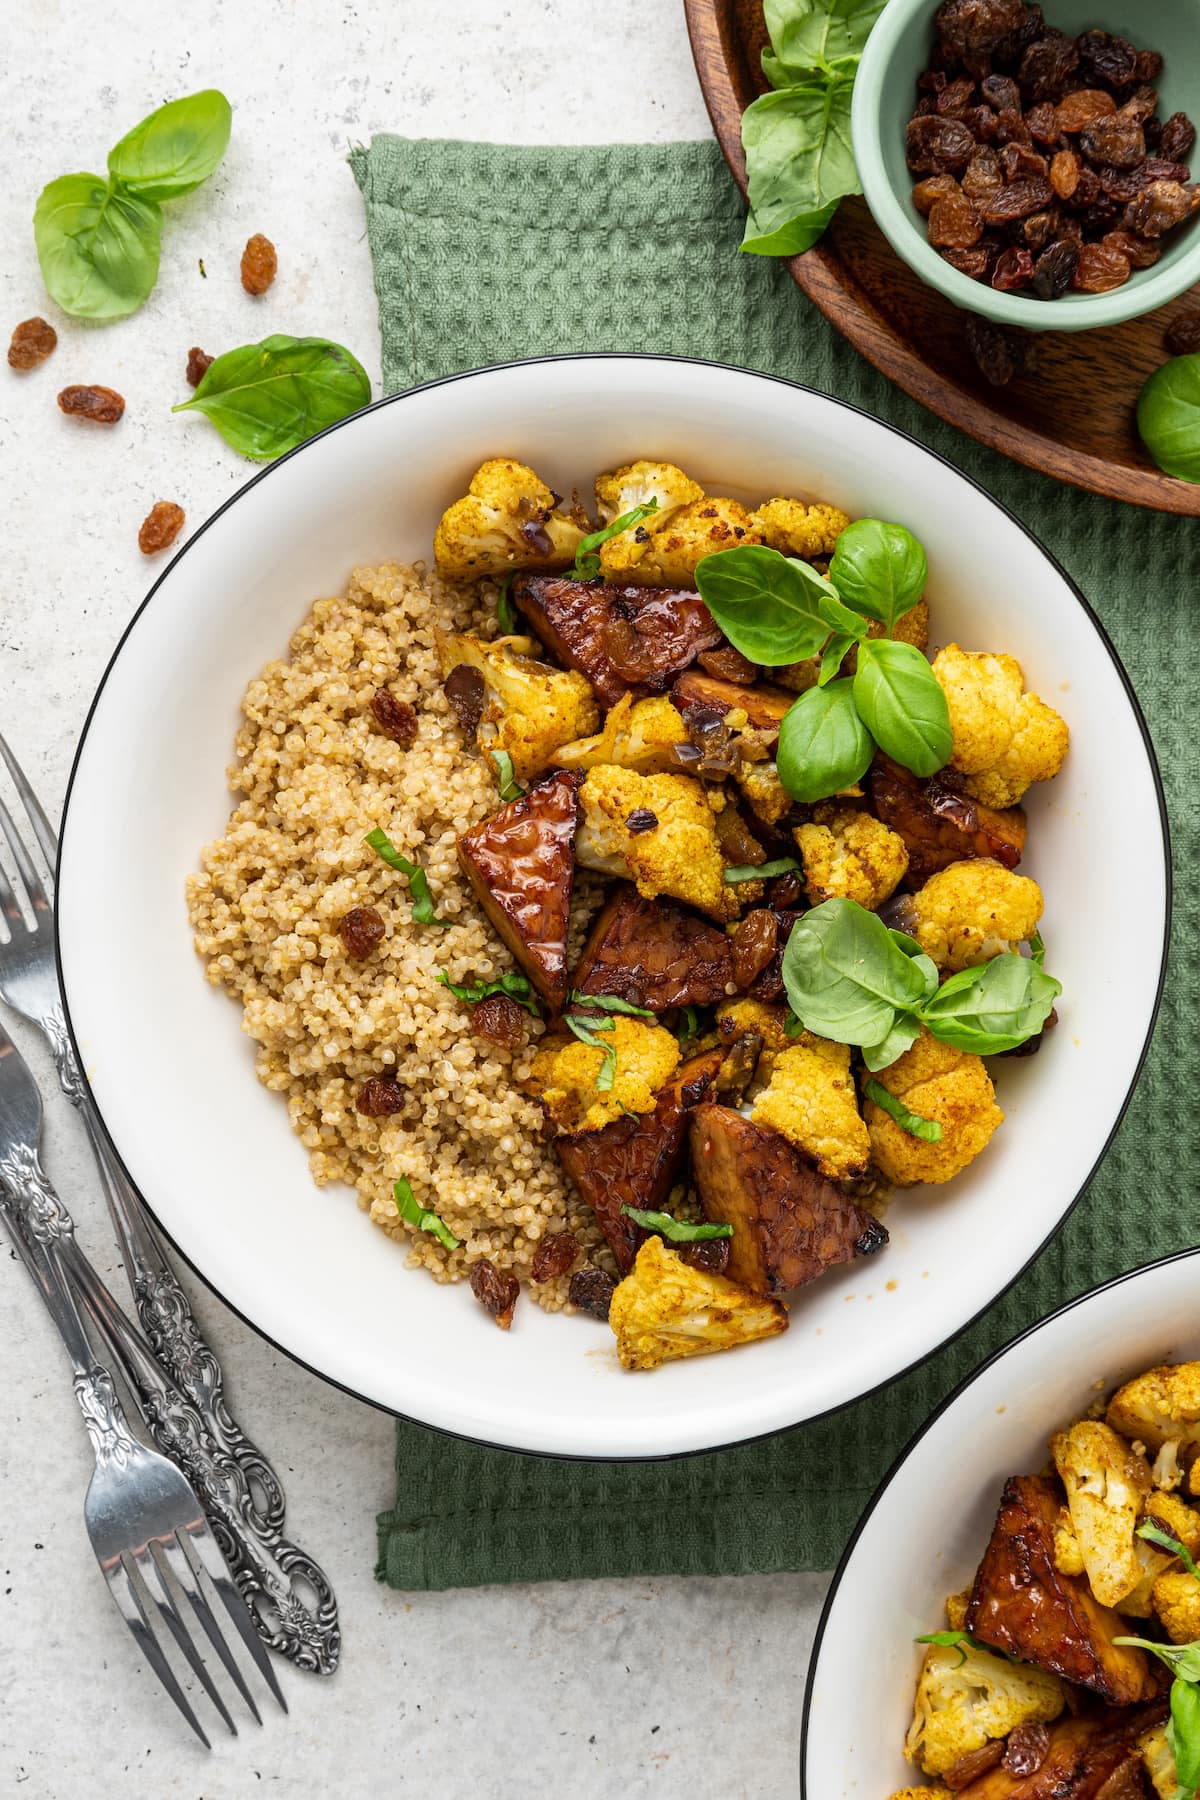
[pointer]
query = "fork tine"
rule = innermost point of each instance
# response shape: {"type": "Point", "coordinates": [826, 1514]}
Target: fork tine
{"type": "Point", "coordinates": [177, 1561]}
{"type": "Point", "coordinates": [9, 909]}
{"type": "Point", "coordinates": [25, 864]}
{"type": "Point", "coordinates": [129, 1604]}
{"type": "Point", "coordinates": [43, 831]}
{"type": "Point", "coordinates": [161, 1595]}
{"type": "Point", "coordinates": [205, 1545]}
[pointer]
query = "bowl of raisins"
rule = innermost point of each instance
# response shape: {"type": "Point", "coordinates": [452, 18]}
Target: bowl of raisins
{"type": "Point", "coordinates": [1035, 170]}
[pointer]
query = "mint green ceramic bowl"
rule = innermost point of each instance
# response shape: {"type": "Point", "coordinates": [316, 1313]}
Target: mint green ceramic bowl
{"type": "Point", "coordinates": [885, 93]}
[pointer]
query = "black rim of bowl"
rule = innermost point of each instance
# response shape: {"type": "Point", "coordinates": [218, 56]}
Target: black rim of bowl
{"type": "Point", "coordinates": [882, 425]}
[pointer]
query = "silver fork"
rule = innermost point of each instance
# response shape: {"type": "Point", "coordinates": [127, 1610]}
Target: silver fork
{"type": "Point", "coordinates": [289, 1594]}
{"type": "Point", "coordinates": [142, 1517]}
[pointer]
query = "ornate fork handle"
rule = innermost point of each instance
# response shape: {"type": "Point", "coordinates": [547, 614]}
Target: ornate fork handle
{"type": "Point", "coordinates": [191, 1420]}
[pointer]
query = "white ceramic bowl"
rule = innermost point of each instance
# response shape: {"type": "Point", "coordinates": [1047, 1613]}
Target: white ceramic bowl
{"type": "Point", "coordinates": [173, 1075]}
{"type": "Point", "coordinates": [924, 1533]}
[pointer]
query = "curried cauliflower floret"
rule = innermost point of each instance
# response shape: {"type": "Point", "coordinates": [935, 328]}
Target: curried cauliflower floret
{"type": "Point", "coordinates": [664, 1309]}
{"type": "Point", "coordinates": [1176, 1599]}
{"type": "Point", "coordinates": [735, 1017]}
{"type": "Point", "coordinates": [957, 1606]}
{"type": "Point", "coordinates": [506, 520]}
{"type": "Point", "coordinates": [810, 1099]}
{"type": "Point", "coordinates": [636, 735]}
{"type": "Point", "coordinates": [1068, 1556]}
{"type": "Point", "coordinates": [1106, 1485]}
{"type": "Point", "coordinates": [1176, 1517]}
{"type": "Point", "coordinates": [1159, 1407]}
{"type": "Point", "coordinates": [531, 708]}
{"type": "Point", "coordinates": [798, 529]}
{"type": "Point", "coordinates": [934, 1792]}
{"type": "Point", "coordinates": [966, 1696]}
{"type": "Point", "coordinates": [850, 855]}
{"type": "Point", "coordinates": [679, 855]}
{"type": "Point", "coordinates": [935, 1081]}
{"type": "Point", "coordinates": [564, 1074]}
{"type": "Point", "coordinates": [765, 794]}
{"type": "Point", "coordinates": [687, 537]}
{"type": "Point", "coordinates": [636, 485]}
{"type": "Point", "coordinates": [972, 911]}
{"type": "Point", "coordinates": [1004, 738]}
{"type": "Point", "coordinates": [1158, 1760]}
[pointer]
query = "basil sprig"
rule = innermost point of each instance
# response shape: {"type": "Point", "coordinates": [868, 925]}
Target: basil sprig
{"type": "Point", "coordinates": [98, 237]}
{"type": "Point", "coordinates": [418, 881]}
{"type": "Point", "coordinates": [420, 1218]}
{"type": "Point", "coordinates": [511, 984]}
{"type": "Point", "coordinates": [676, 1231]}
{"type": "Point", "coordinates": [266, 398]}
{"type": "Point", "coordinates": [774, 609]}
{"type": "Point", "coordinates": [928, 1130]}
{"type": "Point", "coordinates": [587, 563]}
{"type": "Point", "coordinates": [849, 978]}
{"type": "Point", "coordinates": [954, 1640]}
{"type": "Point", "coordinates": [510, 787]}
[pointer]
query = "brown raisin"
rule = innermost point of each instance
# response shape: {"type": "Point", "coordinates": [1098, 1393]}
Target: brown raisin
{"type": "Point", "coordinates": [1162, 206]}
{"type": "Point", "coordinates": [938, 146]}
{"type": "Point", "coordinates": [554, 1256]}
{"type": "Point", "coordinates": [1087, 189]}
{"type": "Point", "coordinates": [1099, 218]}
{"type": "Point", "coordinates": [199, 362]}
{"type": "Point", "coordinates": [1014, 269]}
{"type": "Point", "coordinates": [1054, 270]}
{"type": "Point", "coordinates": [1046, 66]}
{"type": "Point", "coordinates": [1116, 140]}
{"type": "Point", "coordinates": [1042, 121]}
{"type": "Point", "coordinates": [999, 353]}
{"type": "Point", "coordinates": [969, 262]}
{"type": "Point", "coordinates": [981, 122]}
{"type": "Point", "coordinates": [1018, 160]}
{"type": "Point", "coordinates": [785, 890]}
{"type": "Point", "coordinates": [259, 264]}
{"type": "Point", "coordinates": [1100, 269]}
{"type": "Point", "coordinates": [1083, 107]}
{"type": "Point", "coordinates": [500, 1021]}
{"type": "Point", "coordinates": [1069, 229]}
{"type": "Point", "coordinates": [710, 1254]}
{"type": "Point", "coordinates": [1016, 201]}
{"type": "Point", "coordinates": [1175, 141]}
{"type": "Point", "coordinates": [379, 1097]}
{"type": "Point", "coordinates": [1064, 173]}
{"type": "Point", "coordinates": [1001, 93]}
{"type": "Point", "coordinates": [32, 342]}
{"type": "Point", "coordinates": [1027, 1749]}
{"type": "Point", "coordinates": [754, 943]}
{"type": "Point", "coordinates": [100, 404]}
{"type": "Point", "coordinates": [728, 664]}
{"type": "Point", "coordinates": [954, 223]}
{"type": "Point", "coordinates": [982, 174]}
{"type": "Point", "coordinates": [1183, 335]}
{"type": "Point", "coordinates": [935, 187]}
{"type": "Point", "coordinates": [641, 819]}
{"type": "Point", "coordinates": [1141, 252]}
{"type": "Point", "coordinates": [463, 688]}
{"type": "Point", "coordinates": [591, 1290]}
{"type": "Point", "coordinates": [975, 1763]}
{"type": "Point", "coordinates": [1149, 65]}
{"type": "Point", "coordinates": [1141, 105]}
{"type": "Point", "coordinates": [1124, 184]}
{"type": "Point", "coordinates": [1039, 230]}
{"type": "Point", "coordinates": [160, 527]}
{"type": "Point", "coordinates": [496, 1293]}
{"type": "Point", "coordinates": [1106, 59]}
{"type": "Point", "coordinates": [361, 930]}
{"type": "Point", "coordinates": [970, 29]}
{"type": "Point", "coordinates": [955, 98]}
{"type": "Point", "coordinates": [1012, 129]}
{"type": "Point", "coordinates": [395, 718]}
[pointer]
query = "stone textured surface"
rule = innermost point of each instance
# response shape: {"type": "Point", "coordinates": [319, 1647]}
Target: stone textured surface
{"type": "Point", "coordinates": [591, 1689]}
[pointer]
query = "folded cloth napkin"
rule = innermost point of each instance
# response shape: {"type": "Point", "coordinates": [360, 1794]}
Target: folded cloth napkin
{"type": "Point", "coordinates": [484, 253]}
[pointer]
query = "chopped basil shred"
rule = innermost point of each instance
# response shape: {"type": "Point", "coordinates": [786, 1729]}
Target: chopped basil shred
{"type": "Point", "coordinates": [676, 1231]}
{"type": "Point", "coordinates": [418, 881]}
{"type": "Point", "coordinates": [418, 1216]}
{"type": "Point", "coordinates": [928, 1130]}
{"type": "Point", "coordinates": [611, 1003]}
{"type": "Point", "coordinates": [782, 865]}
{"type": "Point", "coordinates": [585, 1030]}
{"type": "Point", "coordinates": [510, 787]}
{"type": "Point", "coordinates": [792, 1026]}
{"type": "Point", "coordinates": [1165, 1541]}
{"type": "Point", "coordinates": [506, 612]}
{"type": "Point", "coordinates": [688, 1027]}
{"type": "Point", "coordinates": [511, 984]}
{"type": "Point", "coordinates": [955, 1640]}
{"type": "Point", "coordinates": [1037, 949]}
{"type": "Point", "coordinates": [587, 563]}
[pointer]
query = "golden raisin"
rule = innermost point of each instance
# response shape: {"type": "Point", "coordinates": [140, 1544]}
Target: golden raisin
{"type": "Point", "coordinates": [499, 1020]}
{"type": "Point", "coordinates": [361, 930]}
{"type": "Point", "coordinates": [554, 1256]}
{"type": "Point", "coordinates": [32, 342]}
{"type": "Point", "coordinates": [495, 1292]}
{"type": "Point", "coordinates": [395, 718]}
{"type": "Point", "coordinates": [100, 404]}
{"type": "Point", "coordinates": [198, 365]}
{"type": "Point", "coordinates": [1099, 269]}
{"type": "Point", "coordinates": [160, 527]}
{"type": "Point", "coordinates": [259, 264]}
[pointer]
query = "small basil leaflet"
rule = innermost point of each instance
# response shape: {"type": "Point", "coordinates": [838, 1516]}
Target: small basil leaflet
{"type": "Point", "coordinates": [993, 1007]}
{"type": "Point", "coordinates": [879, 569]}
{"type": "Point", "coordinates": [954, 1640]}
{"type": "Point", "coordinates": [176, 148]}
{"type": "Point", "coordinates": [418, 881]}
{"type": "Point", "coordinates": [688, 1026]}
{"type": "Point", "coordinates": [1182, 1659]}
{"type": "Point", "coordinates": [1037, 949]}
{"type": "Point", "coordinates": [516, 987]}
{"type": "Point", "coordinates": [1168, 417]}
{"type": "Point", "coordinates": [268, 397]}
{"type": "Point", "coordinates": [506, 612]}
{"type": "Point", "coordinates": [823, 744]}
{"type": "Point", "coordinates": [774, 609]}
{"type": "Point", "coordinates": [587, 563]}
{"type": "Point", "coordinates": [782, 865]}
{"type": "Point", "coordinates": [901, 703]}
{"type": "Point", "coordinates": [510, 787]}
{"type": "Point", "coordinates": [420, 1218]}
{"type": "Point", "coordinates": [928, 1130]}
{"type": "Point", "coordinates": [676, 1231]}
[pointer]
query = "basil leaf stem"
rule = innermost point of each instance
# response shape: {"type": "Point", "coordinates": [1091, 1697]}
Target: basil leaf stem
{"type": "Point", "coordinates": [510, 787]}
{"type": "Point", "coordinates": [952, 1640]}
{"type": "Point", "coordinates": [266, 398]}
{"type": "Point", "coordinates": [418, 881]}
{"type": "Point", "coordinates": [902, 705]}
{"type": "Point", "coordinates": [676, 1231]}
{"type": "Point", "coordinates": [587, 564]}
{"type": "Point", "coordinates": [1183, 1660]}
{"type": "Point", "coordinates": [928, 1130]}
{"type": "Point", "coordinates": [514, 986]}
{"type": "Point", "coordinates": [781, 865]}
{"type": "Point", "coordinates": [420, 1218]}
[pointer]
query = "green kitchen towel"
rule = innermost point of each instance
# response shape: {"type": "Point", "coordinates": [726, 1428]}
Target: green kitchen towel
{"type": "Point", "coordinates": [485, 253]}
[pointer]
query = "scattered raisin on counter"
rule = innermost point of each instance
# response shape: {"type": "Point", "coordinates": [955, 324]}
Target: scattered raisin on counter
{"type": "Point", "coordinates": [1183, 335]}
{"type": "Point", "coordinates": [259, 264]}
{"type": "Point", "coordinates": [160, 527]}
{"type": "Point", "coordinates": [100, 404]}
{"type": "Point", "coordinates": [32, 342]}
{"type": "Point", "coordinates": [496, 1293]}
{"type": "Point", "coordinates": [378, 1097]}
{"type": "Point", "coordinates": [361, 931]}
{"type": "Point", "coordinates": [591, 1290]}
{"type": "Point", "coordinates": [1000, 354]}
{"type": "Point", "coordinates": [198, 364]}
{"type": "Point", "coordinates": [395, 718]}
{"type": "Point", "coordinates": [554, 1256]}
{"type": "Point", "coordinates": [499, 1020]}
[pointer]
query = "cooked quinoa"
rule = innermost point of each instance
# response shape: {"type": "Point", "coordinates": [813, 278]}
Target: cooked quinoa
{"type": "Point", "coordinates": [315, 775]}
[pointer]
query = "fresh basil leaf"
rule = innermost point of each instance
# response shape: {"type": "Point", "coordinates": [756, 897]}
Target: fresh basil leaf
{"type": "Point", "coordinates": [610, 1003]}
{"type": "Point", "coordinates": [515, 987]}
{"type": "Point", "coordinates": [1165, 1541]}
{"type": "Point", "coordinates": [799, 163]}
{"type": "Point", "coordinates": [510, 787]}
{"type": "Point", "coordinates": [774, 609]}
{"type": "Point", "coordinates": [879, 569]}
{"type": "Point", "coordinates": [782, 865]}
{"type": "Point", "coordinates": [266, 398]}
{"type": "Point", "coordinates": [815, 34]}
{"type": "Point", "coordinates": [420, 1218]}
{"type": "Point", "coordinates": [1168, 417]}
{"type": "Point", "coordinates": [1184, 1734]}
{"type": "Point", "coordinates": [676, 1231]}
{"type": "Point", "coordinates": [928, 1130]}
{"type": "Point", "coordinates": [1182, 1659]}
{"type": "Point", "coordinates": [506, 612]}
{"type": "Point", "coordinates": [903, 1035]}
{"type": "Point", "coordinates": [418, 882]}
{"type": "Point", "coordinates": [901, 703]}
{"type": "Point", "coordinates": [688, 1027]}
{"type": "Point", "coordinates": [587, 565]}
{"type": "Point", "coordinates": [792, 1026]}
{"type": "Point", "coordinates": [833, 656]}
{"type": "Point", "coordinates": [97, 245]}
{"type": "Point", "coordinates": [846, 978]}
{"type": "Point", "coordinates": [176, 148]}
{"type": "Point", "coordinates": [823, 744]}
{"type": "Point", "coordinates": [1037, 949]}
{"type": "Point", "coordinates": [992, 1007]}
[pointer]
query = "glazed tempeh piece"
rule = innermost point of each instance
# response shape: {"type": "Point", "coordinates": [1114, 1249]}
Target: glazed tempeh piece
{"type": "Point", "coordinates": [939, 823]}
{"type": "Point", "coordinates": [655, 954]}
{"type": "Point", "coordinates": [626, 640]}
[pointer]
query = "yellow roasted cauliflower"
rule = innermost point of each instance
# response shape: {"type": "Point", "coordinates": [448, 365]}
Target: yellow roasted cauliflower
{"type": "Point", "coordinates": [1106, 1485]}
{"type": "Point", "coordinates": [531, 709]}
{"type": "Point", "coordinates": [506, 520]}
{"type": "Point", "coordinates": [970, 912]}
{"type": "Point", "coordinates": [1068, 1555]}
{"type": "Point", "coordinates": [966, 1695]}
{"type": "Point", "coordinates": [1004, 738]}
{"type": "Point", "coordinates": [797, 528]}
{"type": "Point", "coordinates": [810, 1099]}
{"type": "Point", "coordinates": [695, 531]}
{"type": "Point", "coordinates": [1176, 1517]}
{"type": "Point", "coordinates": [637, 484]}
{"type": "Point", "coordinates": [737, 1016]}
{"type": "Point", "coordinates": [664, 1309]}
{"type": "Point", "coordinates": [1160, 1407]}
{"type": "Point", "coordinates": [679, 855]}
{"type": "Point", "coordinates": [850, 855]}
{"type": "Point", "coordinates": [765, 794]}
{"type": "Point", "coordinates": [1158, 1760]}
{"type": "Point", "coordinates": [1176, 1599]}
{"type": "Point", "coordinates": [924, 1792]}
{"type": "Point", "coordinates": [636, 735]}
{"type": "Point", "coordinates": [937, 1082]}
{"type": "Point", "coordinates": [564, 1073]}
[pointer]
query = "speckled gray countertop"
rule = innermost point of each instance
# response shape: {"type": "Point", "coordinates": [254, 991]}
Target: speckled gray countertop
{"type": "Point", "coordinates": [588, 1689]}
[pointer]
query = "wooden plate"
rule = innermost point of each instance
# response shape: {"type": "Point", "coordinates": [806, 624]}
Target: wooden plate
{"type": "Point", "coordinates": [1073, 418]}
